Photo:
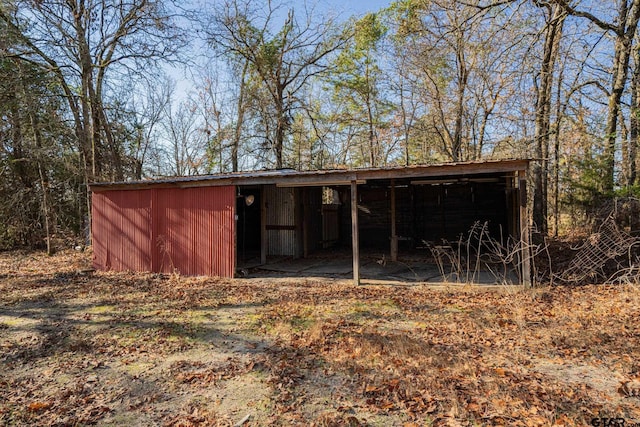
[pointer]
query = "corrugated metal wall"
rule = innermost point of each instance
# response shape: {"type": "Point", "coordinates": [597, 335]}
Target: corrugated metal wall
{"type": "Point", "coordinates": [281, 220]}
{"type": "Point", "coordinates": [191, 231]}
{"type": "Point", "coordinates": [121, 228]}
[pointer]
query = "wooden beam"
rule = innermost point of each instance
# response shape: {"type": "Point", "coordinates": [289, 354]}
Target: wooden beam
{"type": "Point", "coordinates": [524, 229]}
{"type": "Point", "coordinates": [394, 236]}
{"type": "Point", "coordinates": [264, 243]}
{"type": "Point", "coordinates": [354, 233]}
{"type": "Point", "coordinates": [281, 227]}
{"type": "Point", "coordinates": [293, 179]}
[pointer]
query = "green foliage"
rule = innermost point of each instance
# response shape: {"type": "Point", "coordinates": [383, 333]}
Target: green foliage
{"type": "Point", "coordinates": [356, 65]}
{"type": "Point", "coordinates": [407, 14]}
{"type": "Point", "coordinates": [357, 88]}
{"type": "Point", "coordinates": [630, 191]}
{"type": "Point", "coordinates": [368, 32]}
{"type": "Point", "coordinates": [586, 189]}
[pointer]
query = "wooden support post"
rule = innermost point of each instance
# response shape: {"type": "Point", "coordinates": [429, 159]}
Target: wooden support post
{"type": "Point", "coordinates": [264, 243]}
{"type": "Point", "coordinates": [394, 237]}
{"type": "Point", "coordinates": [298, 215]}
{"type": "Point", "coordinates": [354, 233]}
{"type": "Point", "coordinates": [524, 229]}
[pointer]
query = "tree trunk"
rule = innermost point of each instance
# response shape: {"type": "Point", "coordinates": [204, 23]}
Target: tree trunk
{"type": "Point", "coordinates": [44, 179]}
{"type": "Point", "coordinates": [88, 113]}
{"type": "Point", "coordinates": [560, 112]}
{"type": "Point", "coordinates": [611, 130]}
{"type": "Point", "coordinates": [235, 144]}
{"type": "Point", "coordinates": [553, 34]}
{"type": "Point", "coordinates": [281, 119]}
{"type": "Point", "coordinates": [463, 76]}
{"type": "Point", "coordinates": [373, 155]}
{"type": "Point", "coordinates": [634, 119]}
{"type": "Point", "coordinates": [406, 124]}
{"type": "Point", "coordinates": [624, 148]}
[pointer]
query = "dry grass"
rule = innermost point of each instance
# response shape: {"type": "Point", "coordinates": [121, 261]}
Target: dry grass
{"type": "Point", "coordinates": [143, 349]}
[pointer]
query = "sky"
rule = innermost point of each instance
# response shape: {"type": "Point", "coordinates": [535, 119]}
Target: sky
{"type": "Point", "coordinates": [355, 7]}
{"type": "Point", "coordinates": [343, 8]}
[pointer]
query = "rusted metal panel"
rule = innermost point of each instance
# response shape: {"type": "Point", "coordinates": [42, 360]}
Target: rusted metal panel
{"type": "Point", "coordinates": [281, 224]}
{"type": "Point", "coordinates": [190, 231]}
{"type": "Point", "coordinates": [322, 177]}
{"type": "Point", "coordinates": [121, 229]}
{"type": "Point", "coordinates": [194, 231]}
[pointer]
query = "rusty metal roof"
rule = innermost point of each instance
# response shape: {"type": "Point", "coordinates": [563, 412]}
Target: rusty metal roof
{"type": "Point", "coordinates": [321, 177]}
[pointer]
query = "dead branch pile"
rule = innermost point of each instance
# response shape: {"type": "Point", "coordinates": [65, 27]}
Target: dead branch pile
{"type": "Point", "coordinates": [606, 255]}
{"type": "Point", "coordinates": [609, 255]}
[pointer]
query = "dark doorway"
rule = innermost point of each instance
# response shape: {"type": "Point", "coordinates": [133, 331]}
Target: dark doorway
{"type": "Point", "coordinates": [248, 204]}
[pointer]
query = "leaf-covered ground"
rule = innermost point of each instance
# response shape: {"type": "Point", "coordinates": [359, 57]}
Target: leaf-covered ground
{"type": "Point", "coordinates": [80, 347]}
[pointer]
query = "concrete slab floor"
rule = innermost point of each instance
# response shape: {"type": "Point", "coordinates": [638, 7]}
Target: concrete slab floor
{"type": "Point", "coordinates": [379, 269]}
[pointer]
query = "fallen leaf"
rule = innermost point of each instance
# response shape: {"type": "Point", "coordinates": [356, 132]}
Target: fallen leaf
{"type": "Point", "coordinates": [387, 405]}
{"type": "Point", "coordinates": [371, 389]}
{"type": "Point", "coordinates": [39, 406]}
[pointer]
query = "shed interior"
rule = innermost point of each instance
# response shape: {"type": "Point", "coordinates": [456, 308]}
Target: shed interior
{"type": "Point", "coordinates": [408, 216]}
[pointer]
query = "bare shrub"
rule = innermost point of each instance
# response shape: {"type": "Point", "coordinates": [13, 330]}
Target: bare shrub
{"type": "Point", "coordinates": [504, 257]}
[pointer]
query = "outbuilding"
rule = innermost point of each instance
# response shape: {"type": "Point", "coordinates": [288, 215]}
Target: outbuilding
{"type": "Point", "coordinates": [212, 224]}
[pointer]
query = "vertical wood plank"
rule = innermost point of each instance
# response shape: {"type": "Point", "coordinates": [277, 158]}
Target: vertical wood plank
{"type": "Point", "coordinates": [354, 233]}
{"type": "Point", "coordinates": [394, 237]}
{"type": "Point", "coordinates": [305, 217]}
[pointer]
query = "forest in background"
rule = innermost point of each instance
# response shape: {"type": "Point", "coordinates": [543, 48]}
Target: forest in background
{"type": "Point", "coordinates": [93, 90]}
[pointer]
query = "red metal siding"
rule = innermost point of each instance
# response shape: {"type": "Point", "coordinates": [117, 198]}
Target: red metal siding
{"type": "Point", "coordinates": [194, 230]}
{"type": "Point", "coordinates": [121, 229]}
{"type": "Point", "coordinates": [190, 231]}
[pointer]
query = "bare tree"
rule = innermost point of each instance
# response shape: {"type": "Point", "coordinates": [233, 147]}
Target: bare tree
{"type": "Point", "coordinates": [185, 137]}
{"type": "Point", "coordinates": [86, 45]}
{"type": "Point", "coordinates": [623, 26]}
{"type": "Point", "coordinates": [455, 55]}
{"type": "Point", "coordinates": [283, 58]}
{"type": "Point", "coordinates": [224, 105]}
{"type": "Point", "coordinates": [149, 110]}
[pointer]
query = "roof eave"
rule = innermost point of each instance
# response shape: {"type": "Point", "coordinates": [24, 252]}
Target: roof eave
{"type": "Point", "coordinates": [321, 178]}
